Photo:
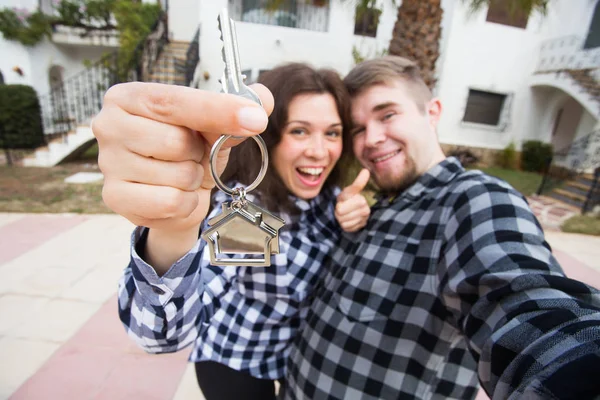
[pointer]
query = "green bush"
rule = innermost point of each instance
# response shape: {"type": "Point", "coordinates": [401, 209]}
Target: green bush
{"type": "Point", "coordinates": [508, 158]}
{"type": "Point", "coordinates": [535, 155]}
{"type": "Point", "coordinates": [20, 118]}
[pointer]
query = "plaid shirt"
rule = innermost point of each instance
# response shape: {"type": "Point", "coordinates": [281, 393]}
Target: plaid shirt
{"type": "Point", "coordinates": [243, 317]}
{"type": "Point", "coordinates": [457, 261]}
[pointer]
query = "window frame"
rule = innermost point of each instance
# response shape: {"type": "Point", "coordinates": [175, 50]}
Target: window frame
{"type": "Point", "coordinates": [503, 114]}
{"type": "Point", "coordinates": [371, 16]}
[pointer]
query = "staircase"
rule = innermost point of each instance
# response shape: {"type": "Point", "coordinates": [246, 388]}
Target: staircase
{"type": "Point", "coordinates": [170, 66]}
{"type": "Point", "coordinates": [586, 81]}
{"type": "Point", "coordinates": [580, 164]}
{"type": "Point", "coordinates": [574, 192]}
{"type": "Point", "coordinates": [74, 143]}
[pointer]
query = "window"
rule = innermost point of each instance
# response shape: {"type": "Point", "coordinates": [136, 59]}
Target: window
{"type": "Point", "coordinates": [366, 21]}
{"type": "Point", "coordinates": [259, 12]}
{"type": "Point", "coordinates": [484, 107]}
{"type": "Point", "coordinates": [499, 12]}
{"type": "Point", "coordinates": [593, 37]}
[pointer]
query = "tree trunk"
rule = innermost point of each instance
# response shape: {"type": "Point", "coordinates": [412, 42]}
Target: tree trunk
{"type": "Point", "coordinates": [9, 161]}
{"type": "Point", "coordinates": [417, 33]}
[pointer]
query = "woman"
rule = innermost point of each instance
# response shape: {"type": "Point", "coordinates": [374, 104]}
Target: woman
{"type": "Point", "coordinates": [242, 319]}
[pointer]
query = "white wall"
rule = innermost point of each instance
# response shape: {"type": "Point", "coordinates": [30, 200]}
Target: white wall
{"type": "Point", "coordinates": [265, 46]}
{"type": "Point", "coordinates": [71, 58]}
{"type": "Point", "coordinates": [568, 124]}
{"type": "Point", "coordinates": [28, 4]}
{"type": "Point", "coordinates": [183, 19]}
{"type": "Point", "coordinates": [587, 125]}
{"type": "Point", "coordinates": [567, 17]}
{"type": "Point", "coordinates": [12, 54]}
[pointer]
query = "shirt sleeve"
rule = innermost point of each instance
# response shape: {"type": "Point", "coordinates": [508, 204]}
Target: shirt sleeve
{"type": "Point", "coordinates": [165, 314]}
{"type": "Point", "coordinates": [533, 331]}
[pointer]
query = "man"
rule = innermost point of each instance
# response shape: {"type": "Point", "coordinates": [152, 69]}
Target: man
{"type": "Point", "coordinates": [451, 280]}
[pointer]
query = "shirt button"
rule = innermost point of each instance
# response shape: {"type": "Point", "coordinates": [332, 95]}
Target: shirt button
{"type": "Point", "coordinates": [157, 290]}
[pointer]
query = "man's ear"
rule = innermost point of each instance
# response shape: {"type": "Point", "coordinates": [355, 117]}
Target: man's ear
{"type": "Point", "coordinates": [434, 112]}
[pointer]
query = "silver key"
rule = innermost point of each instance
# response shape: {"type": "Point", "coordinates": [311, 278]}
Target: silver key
{"type": "Point", "coordinates": [242, 227]}
{"type": "Point", "coordinates": [232, 81]}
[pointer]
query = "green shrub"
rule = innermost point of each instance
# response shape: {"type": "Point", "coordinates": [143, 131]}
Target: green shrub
{"type": "Point", "coordinates": [508, 158]}
{"type": "Point", "coordinates": [535, 155]}
{"type": "Point", "coordinates": [20, 118]}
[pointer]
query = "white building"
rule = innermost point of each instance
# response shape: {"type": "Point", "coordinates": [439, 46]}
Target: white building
{"type": "Point", "coordinates": [489, 73]}
{"type": "Point", "coordinates": [498, 83]}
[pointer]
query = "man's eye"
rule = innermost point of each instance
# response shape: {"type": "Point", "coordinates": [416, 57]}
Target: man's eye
{"type": "Point", "coordinates": [388, 116]}
{"type": "Point", "coordinates": [356, 132]}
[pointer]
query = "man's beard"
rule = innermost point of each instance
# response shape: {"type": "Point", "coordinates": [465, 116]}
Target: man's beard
{"type": "Point", "coordinates": [393, 184]}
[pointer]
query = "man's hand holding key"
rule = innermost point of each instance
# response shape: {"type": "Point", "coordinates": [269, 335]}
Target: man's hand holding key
{"type": "Point", "coordinates": [155, 141]}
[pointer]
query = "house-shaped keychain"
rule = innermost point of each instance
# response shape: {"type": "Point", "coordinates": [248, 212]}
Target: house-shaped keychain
{"type": "Point", "coordinates": [246, 229]}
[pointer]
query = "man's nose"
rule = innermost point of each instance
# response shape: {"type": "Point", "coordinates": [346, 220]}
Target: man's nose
{"type": "Point", "coordinates": [374, 135]}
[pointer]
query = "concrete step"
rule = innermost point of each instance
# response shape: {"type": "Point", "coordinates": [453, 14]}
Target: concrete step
{"type": "Point", "coordinates": [577, 188]}
{"type": "Point", "coordinates": [570, 194]}
{"type": "Point", "coordinates": [566, 199]}
{"type": "Point", "coordinates": [59, 148]}
{"type": "Point", "coordinates": [583, 185]}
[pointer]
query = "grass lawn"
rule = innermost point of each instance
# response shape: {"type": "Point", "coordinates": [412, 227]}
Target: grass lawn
{"type": "Point", "coordinates": [34, 190]}
{"type": "Point", "coordinates": [585, 224]}
{"type": "Point", "coordinates": [525, 182]}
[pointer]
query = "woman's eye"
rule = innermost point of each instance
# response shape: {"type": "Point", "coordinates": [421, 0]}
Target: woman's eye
{"type": "Point", "coordinates": [297, 131]}
{"type": "Point", "coordinates": [334, 133]}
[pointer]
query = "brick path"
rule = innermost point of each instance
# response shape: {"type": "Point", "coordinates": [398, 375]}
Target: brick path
{"type": "Point", "coordinates": [60, 337]}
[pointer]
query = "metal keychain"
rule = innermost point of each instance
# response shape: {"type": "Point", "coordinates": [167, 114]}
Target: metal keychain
{"type": "Point", "coordinates": [242, 227]}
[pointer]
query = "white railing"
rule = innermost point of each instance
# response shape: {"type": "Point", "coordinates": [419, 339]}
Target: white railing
{"type": "Point", "coordinates": [290, 13]}
{"type": "Point", "coordinates": [567, 53]}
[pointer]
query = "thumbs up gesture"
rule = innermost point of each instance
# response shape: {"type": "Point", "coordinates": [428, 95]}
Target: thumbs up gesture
{"type": "Point", "coordinates": [352, 210]}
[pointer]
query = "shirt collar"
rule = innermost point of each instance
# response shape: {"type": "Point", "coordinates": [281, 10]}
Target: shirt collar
{"type": "Point", "coordinates": [437, 176]}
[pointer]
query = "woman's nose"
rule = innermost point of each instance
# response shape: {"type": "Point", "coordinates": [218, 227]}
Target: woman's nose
{"type": "Point", "coordinates": [316, 147]}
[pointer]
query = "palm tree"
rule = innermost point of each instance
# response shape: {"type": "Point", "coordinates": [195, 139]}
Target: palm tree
{"type": "Point", "coordinates": [417, 30]}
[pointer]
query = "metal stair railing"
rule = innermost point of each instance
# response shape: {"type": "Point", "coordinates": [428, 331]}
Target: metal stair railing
{"type": "Point", "coordinates": [77, 99]}
{"type": "Point", "coordinates": [192, 58]}
{"type": "Point", "coordinates": [580, 156]}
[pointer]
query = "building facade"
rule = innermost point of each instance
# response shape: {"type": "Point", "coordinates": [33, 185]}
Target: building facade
{"type": "Point", "coordinates": [501, 80]}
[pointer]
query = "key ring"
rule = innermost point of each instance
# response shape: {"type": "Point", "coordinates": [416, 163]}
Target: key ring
{"type": "Point", "coordinates": [263, 169]}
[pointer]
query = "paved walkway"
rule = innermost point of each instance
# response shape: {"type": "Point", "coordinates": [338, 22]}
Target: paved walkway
{"type": "Point", "coordinates": [60, 337]}
{"type": "Point", "coordinates": [550, 212]}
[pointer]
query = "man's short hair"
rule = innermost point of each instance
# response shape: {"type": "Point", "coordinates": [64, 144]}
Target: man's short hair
{"type": "Point", "coordinates": [386, 70]}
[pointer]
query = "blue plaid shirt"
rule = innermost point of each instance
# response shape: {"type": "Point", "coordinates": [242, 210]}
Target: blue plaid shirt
{"type": "Point", "coordinates": [450, 281]}
{"type": "Point", "coordinates": [243, 317]}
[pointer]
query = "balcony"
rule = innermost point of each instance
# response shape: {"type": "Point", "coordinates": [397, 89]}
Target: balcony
{"type": "Point", "coordinates": [567, 53]}
{"type": "Point", "coordinates": [565, 64]}
{"type": "Point", "coordinates": [75, 36]}
{"type": "Point", "coordinates": [290, 13]}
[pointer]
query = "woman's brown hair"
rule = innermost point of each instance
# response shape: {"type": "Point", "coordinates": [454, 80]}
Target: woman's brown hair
{"type": "Point", "coordinates": [286, 82]}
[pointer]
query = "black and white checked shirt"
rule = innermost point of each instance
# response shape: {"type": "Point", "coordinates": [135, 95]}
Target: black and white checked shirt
{"type": "Point", "coordinates": [243, 317]}
{"type": "Point", "coordinates": [457, 262]}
